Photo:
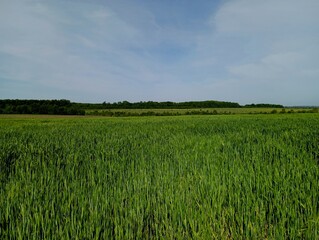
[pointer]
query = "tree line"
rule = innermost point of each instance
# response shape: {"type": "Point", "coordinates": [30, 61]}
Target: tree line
{"type": "Point", "coordinates": [162, 105]}
{"type": "Point", "coordinates": [55, 107]}
{"type": "Point", "coordinates": [66, 107]}
{"type": "Point", "coordinates": [264, 105]}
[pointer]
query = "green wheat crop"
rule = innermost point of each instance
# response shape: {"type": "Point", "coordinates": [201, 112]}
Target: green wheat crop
{"type": "Point", "coordinates": [190, 177]}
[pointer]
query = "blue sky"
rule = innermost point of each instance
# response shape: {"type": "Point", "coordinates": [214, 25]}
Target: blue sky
{"type": "Point", "coordinates": [246, 51]}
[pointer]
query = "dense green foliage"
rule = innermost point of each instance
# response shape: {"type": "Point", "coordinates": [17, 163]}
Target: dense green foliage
{"type": "Point", "coordinates": [193, 177]}
{"type": "Point", "coordinates": [66, 107]}
{"type": "Point", "coordinates": [57, 107]}
{"type": "Point", "coordinates": [170, 105]}
{"type": "Point", "coordinates": [194, 111]}
{"type": "Point", "coordinates": [159, 105]}
{"type": "Point", "coordinates": [264, 105]}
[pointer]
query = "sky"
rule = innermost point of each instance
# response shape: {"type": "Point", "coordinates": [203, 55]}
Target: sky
{"type": "Point", "coordinates": [245, 51]}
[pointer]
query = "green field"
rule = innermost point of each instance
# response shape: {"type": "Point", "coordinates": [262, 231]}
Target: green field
{"type": "Point", "coordinates": [185, 177]}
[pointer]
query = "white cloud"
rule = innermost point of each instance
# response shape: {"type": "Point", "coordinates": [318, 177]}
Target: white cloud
{"type": "Point", "coordinates": [273, 16]}
{"type": "Point", "coordinates": [86, 51]}
{"type": "Point", "coordinates": [276, 48]}
{"type": "Point", "coordinates": [246, 51]}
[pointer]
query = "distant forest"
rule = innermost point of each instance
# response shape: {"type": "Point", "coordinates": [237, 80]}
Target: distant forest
{"type": "Point", "coordinates": [55, 107]}
{"type": "Point", "coordinates": [173, 105]}
{"type": "Point", "coordinates": [66, 107]}
{"type": "Point", "coordinates": [163, 105]}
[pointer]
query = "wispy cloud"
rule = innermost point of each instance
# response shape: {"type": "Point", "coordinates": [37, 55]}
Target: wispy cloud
{"type": "Point", "coordinates": [276, 48]}
{"type": "Point", "coordinates": [237, 50]}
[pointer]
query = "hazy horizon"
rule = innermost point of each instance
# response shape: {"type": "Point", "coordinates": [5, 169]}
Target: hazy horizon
{"type": "Point", "coordinates": [245, 51]}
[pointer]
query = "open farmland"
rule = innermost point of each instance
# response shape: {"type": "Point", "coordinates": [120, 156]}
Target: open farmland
{"type": "Point", "coordinates": [186, 177]}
